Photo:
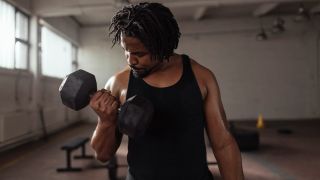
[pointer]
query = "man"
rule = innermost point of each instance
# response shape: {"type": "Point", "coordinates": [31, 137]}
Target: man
{"type": "Point", "coordinates": [185, 96]}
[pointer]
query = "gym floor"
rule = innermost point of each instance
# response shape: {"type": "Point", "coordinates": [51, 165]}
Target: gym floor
{"type": "Point", "coordinates": [281, 156]}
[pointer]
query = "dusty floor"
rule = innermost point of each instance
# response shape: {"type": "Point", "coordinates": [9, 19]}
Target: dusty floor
{"type": "Point", "coordinates": [281, 156]}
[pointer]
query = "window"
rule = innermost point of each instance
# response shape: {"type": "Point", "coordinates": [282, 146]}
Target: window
{"type": "Point", "coordinates": [22, 44]}
{"type": "Point", "coordinates": [14, 44]}
{"type": "Point", "coordinates": [57, 54]}
{"type": "Point", "coordinates": [6, 35]}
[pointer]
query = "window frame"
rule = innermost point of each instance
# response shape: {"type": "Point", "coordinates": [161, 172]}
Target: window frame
{"type": "Point", "coordinates": [27, 43]}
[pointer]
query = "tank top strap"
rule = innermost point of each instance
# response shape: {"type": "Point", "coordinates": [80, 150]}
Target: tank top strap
{"type": "Point", "coordinates": [186, 61]}
{"type": "Point", "coordinates": [133, 85]}
{"type": "Point", "coordinates": [187, 69]}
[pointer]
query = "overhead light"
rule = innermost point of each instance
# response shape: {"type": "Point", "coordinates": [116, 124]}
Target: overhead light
{"type": "Point", "coordinates": [302, 15]}
{"type": "Point", "coordinates": [278, 25]}
{"type": "Point", "coordinates": [262, 35]}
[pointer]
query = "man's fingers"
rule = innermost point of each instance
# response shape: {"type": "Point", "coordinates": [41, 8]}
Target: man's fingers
{"type": "Point", "coordinates": [96, 98]}
{"type": "Point", "coordinates": [96, 95]}
{"type": "Point", "coordinates": [102, 99]}
{"type": "Point", "coordinates": [110, 100]}
{"type": "Point", "coordinates": [115, 104]}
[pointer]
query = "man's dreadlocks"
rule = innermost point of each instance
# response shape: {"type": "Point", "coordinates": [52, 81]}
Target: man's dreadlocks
{"type": "Point", "coordinates": [152, 23]}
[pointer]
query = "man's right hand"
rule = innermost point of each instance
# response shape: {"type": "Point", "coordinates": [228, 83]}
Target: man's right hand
{"type": "Point", "coordinates": [105, 105]}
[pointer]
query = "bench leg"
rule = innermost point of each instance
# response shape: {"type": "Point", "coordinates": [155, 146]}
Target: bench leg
{"type": "Point", "coordinates": [112, 167]}
{"type": "Point", "coordinates": [83, 153]}
{"type": "Point", "coordinates": [69, 167]}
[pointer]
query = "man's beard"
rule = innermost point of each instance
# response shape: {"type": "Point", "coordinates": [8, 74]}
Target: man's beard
{"type": "Point", "coordinates": [142, 72]}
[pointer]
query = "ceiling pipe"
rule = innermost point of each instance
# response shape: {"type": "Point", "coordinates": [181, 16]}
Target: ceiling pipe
{"type": "Point", "coordinates": [264, 9]}
{"type": "Point", "coordinates": [200, 13]}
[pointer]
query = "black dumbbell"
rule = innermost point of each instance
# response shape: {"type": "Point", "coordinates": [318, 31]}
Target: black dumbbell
{"type": "Point", "coordinates": [134, 115]}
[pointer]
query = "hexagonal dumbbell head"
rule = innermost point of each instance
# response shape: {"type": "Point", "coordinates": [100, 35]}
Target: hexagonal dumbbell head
{"type": "Point", "coordinates": [76, 88]}
{"type": "Point", "coordinates": [135, 116]}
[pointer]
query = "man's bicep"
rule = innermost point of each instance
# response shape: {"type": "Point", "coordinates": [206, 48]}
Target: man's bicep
{"type": "Point", "coordinates": [111, 85]}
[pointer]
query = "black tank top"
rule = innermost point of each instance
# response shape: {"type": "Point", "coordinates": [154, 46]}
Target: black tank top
{"type": "Point", "coordinates": [173, 147]}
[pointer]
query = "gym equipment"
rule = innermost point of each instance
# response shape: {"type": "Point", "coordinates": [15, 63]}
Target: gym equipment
{"type": "Point", "coordinates": [76, 88]}
{"type": "Point", "coordinates": [284, 131]}
{"type": "Point", "coordinates": [80, 142]}
{"type": "Point", "coordinates": [247, 139]}
{"type": "Point", "coordinates": [71, 146]}
{"type": "Point", "coordinates": [134, 115]}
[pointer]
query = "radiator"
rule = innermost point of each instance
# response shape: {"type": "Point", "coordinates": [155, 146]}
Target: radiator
{"type": "Point", "coordinates": [14, 125]}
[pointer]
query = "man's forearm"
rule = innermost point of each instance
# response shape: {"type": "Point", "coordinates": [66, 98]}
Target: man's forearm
{"type": "Point", "coordinates": [105, 140]}
{"type": "Point", "coordinates": [229, 161]}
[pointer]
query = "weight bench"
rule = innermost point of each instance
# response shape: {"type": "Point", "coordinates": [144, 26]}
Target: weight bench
{"type": "Point", "coordinates": [246, 138]}
{"type": "Point", "coordinates": [71, 146]}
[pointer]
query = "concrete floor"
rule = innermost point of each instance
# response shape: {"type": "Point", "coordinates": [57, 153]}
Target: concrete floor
{"type": "Point", "coordinates": [281, 156]}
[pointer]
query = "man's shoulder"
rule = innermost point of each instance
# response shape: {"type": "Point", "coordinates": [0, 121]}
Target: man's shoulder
{"type": "Point", "coordinates": [200, 70]}
{"type": "Point", "coordinates": [204, 76]}
{"type": "Point", "coordinates": [118, 82]}
{"type": "Point", "coordinates": [122, 77]}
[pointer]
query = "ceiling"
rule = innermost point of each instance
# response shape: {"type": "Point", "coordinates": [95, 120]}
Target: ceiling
{"type": "Point", "coordinates": [99, 12]}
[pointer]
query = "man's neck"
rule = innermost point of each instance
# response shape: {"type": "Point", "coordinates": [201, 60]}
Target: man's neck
{"type": "Point", "coordinates": [166, 64]}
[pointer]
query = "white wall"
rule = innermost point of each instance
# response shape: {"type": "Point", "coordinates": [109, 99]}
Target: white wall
{"type": "Point", "coordinates": [278, 77]}
{"type": "Point", "coordinates": [97, 56]}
